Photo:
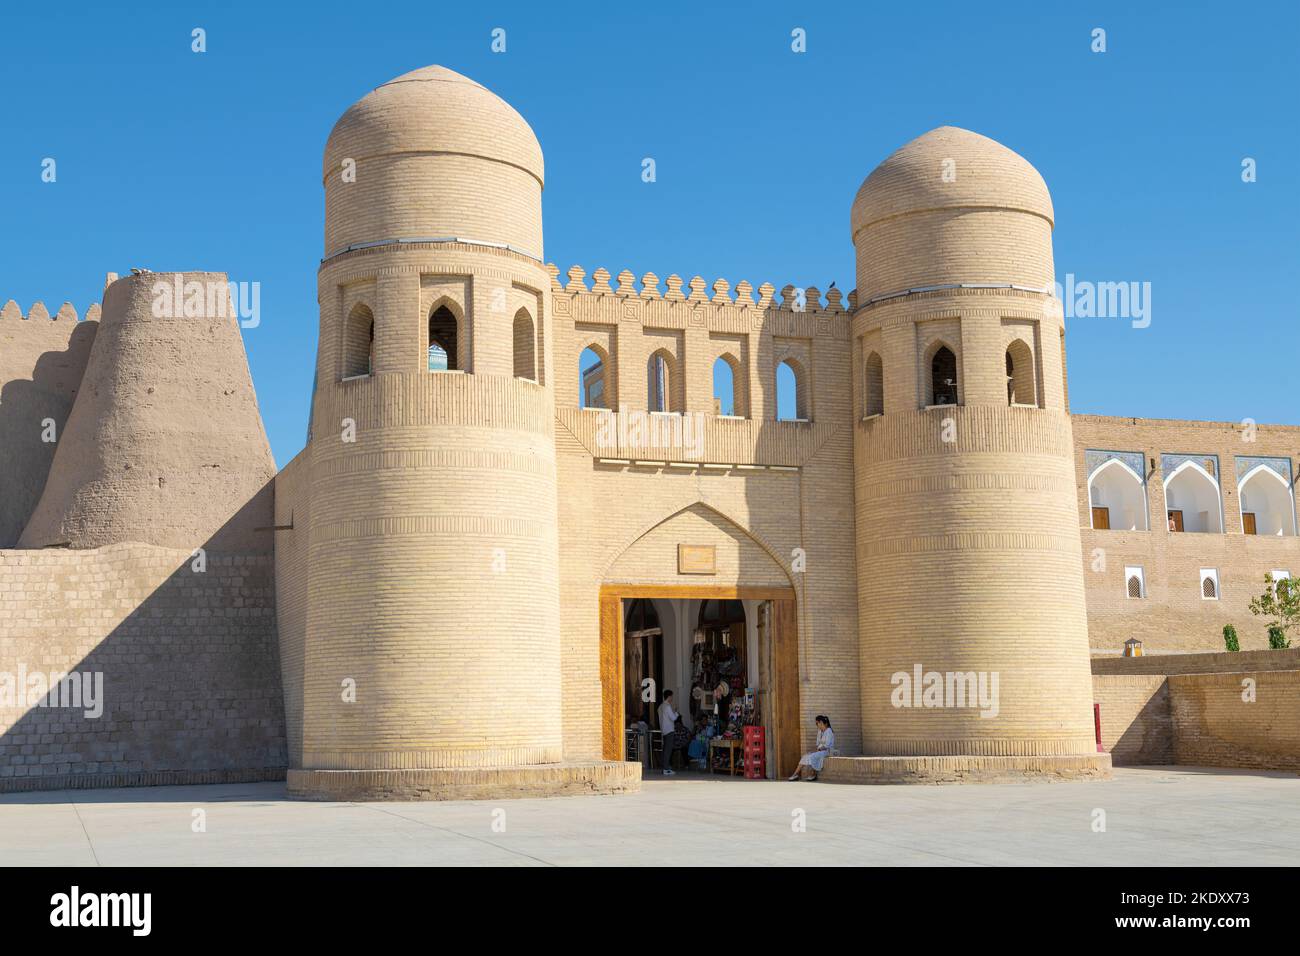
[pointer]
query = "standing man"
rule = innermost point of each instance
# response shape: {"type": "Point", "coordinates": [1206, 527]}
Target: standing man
{"type": "Point", "coordinates": [668, 727]}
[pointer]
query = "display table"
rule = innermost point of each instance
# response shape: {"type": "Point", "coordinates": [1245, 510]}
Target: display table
{"type": "Point", "coordinates": [718, 760]}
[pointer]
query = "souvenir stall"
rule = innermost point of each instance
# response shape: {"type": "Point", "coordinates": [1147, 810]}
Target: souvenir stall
{"type": "Point", "coordinates": [725, 713]}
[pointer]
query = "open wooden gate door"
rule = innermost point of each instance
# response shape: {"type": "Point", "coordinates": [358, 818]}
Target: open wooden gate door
{"type": "Point", "coordinates": [611, 676]}
{"type": "Point", "coordinates": [784, 657]}
{"type": "Point", "coordinates": [785, 690]}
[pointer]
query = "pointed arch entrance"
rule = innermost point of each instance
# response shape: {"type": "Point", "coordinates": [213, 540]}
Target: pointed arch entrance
{"type": "Point", "coordinates": [650, 570]}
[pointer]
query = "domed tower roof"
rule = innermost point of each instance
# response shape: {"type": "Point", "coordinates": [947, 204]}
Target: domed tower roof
{"type": "Point", "coordinates": [952, 207]}
{"type": "Point", "coordinates": [436, 110]}
{"type": "Point", "coordinates": [985, 174]}
{"type": "Point", "coordinates": [433, 154]}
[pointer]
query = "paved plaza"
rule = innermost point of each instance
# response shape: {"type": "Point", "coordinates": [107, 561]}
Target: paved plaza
{"type": "Point", "coordinates": [1162, 816]}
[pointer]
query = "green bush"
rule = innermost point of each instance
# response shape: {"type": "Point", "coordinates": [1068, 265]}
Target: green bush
{"type": "Point", "coordinates": [1277, 639]}
{"type": "Point", "coordinates": [1230, 638]}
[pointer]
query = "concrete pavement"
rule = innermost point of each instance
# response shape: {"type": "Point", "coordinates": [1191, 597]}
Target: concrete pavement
{"type": "Point", "coordinates": [1161, 816]}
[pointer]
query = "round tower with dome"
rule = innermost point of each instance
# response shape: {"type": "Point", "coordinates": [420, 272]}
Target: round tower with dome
{"type": "Point", "coordinates": [974, 640]}
{"type": "Point", "coordinates": [431, 657]}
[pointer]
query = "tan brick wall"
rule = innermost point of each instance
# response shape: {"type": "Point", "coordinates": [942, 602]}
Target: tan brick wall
{"type": "Point", "coordinates": [1242, 661]}
{"type": "Point", "coordinates": [1213, 710]}
{"type": "Point", "coordinates": [1174, 616]}
{"type": "Point", "coordinates": [292, 570]}
{"type": "Point", "coordinates": [1136, 727]}
{"type": "Point", "coordinates": [780, 485]}
{"type": "Point", "coordinates": [191, 679]}
{"type": "Point", "coordinates": [1215, 727]}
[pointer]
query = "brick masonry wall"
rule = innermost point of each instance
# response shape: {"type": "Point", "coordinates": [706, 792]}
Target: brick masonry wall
{"type": "Point", "coordinates": [191, 681]}
{"type": "Point", "coordinates": [1174, 616]}
{"type": "Point", "coordinates": [784, 485]}
{"type": "Point", "coordinates": [1240, 662]}
{"type": "Point", "coordinates": [1214, 726]}
{"type": "Point", "coordinates": [292, 507]}
{"type": "Point", "coordinates": [1136, 727]}
{"type": "Point", "coordinates": [1203, 712]}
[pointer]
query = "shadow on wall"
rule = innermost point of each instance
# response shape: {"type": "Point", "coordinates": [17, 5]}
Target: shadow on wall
{"type": "Point", "coordinates": [1149, 738]}
{"type": "Point", "coordinates": [189, 660]}
{"type": "Point", "coordinates": [24, 405]}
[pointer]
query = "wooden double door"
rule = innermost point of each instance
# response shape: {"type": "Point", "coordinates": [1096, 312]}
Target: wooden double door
{"type": "Point", "coordinates": [781, 635]}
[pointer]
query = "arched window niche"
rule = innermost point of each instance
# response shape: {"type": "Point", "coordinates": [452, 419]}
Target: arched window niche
{"type": "Point", "coordinates": [525, 342]}
{"type": "Point", "coordinates": [1267, 506]}
{"type": "Point", "coordinates": [359, 342]}
{"type": "Point", "coordinates": [661, 383]}
{"type": "Point", "coordinates": [1117, 495]}
{"type": "Point", "coordinates": [444, 340]}
{"type": "Point", "coordinates": [1021, 387]}
{"type": "Point", "coordinates": [944, 388]}
{"type": "Point", "coordinates": [873, 386]}
{"type": "Point", "coordinates": [1192, 501]}
{"type": "Point", "coordinates": [727, 399]}
{"type": "Point", "coordinates": [792, 403]}
{"type": "Point", "coordinates": [593, 378]}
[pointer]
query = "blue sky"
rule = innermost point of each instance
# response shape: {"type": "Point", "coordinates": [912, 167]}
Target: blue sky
{"type": "Point", "coordinates": [173, 160]}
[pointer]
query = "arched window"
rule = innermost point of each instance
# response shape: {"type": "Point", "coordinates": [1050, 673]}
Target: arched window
{"type": "Point", "coordinates": [1020, 374]}
{"type": "Point", "coordinates": [659, 383]}
{"type": "Point", "coordinates": [873, 386]}
{"type": "Point", "coordinates": [726, 394]}
{"type": "Point", "coordinates": [444, 354]}
{"type": "Point", "coordinates": [791, 392]}
{"type": "Point", "coordinates": [1118, 498]}
{"type": "Point", "coordinates": [359, 342]}
{"type": "Point", "coordinates": [1192, 500]}
{"type": "Point", "coordinates": [1135, 582]}
{"type": "Point", "coordinates": [1209, 584]}
{"type": "Point", "coordinates": [1266, 506]}
{"type": "Point", "coordinates": [525, 347]}
{"type": "Point", "coordinates": [943, 377]}
{"type": "Point", "coordinates": [592, 380]}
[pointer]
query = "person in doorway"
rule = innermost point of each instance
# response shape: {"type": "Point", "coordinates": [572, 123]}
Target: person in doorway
{"type": "Point", "coordinates": [668, 718]}
{"type": "Point", "coordinates": [811, 763]}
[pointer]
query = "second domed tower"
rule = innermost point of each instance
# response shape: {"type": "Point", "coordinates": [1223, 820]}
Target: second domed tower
{"type": "Point", "coordinates": [967, 521]}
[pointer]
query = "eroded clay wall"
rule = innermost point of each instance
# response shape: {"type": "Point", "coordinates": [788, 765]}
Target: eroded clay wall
{"type": "Point", "coordinates": [42, 361]}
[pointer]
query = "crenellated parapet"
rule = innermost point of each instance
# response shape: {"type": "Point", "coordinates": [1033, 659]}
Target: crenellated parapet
{"type": "Point", "coordinates": [67, 314]}
{"type": "Point", "coordinates": [698, 291]}
{"type": "Point", "coordinates": [42, 361]}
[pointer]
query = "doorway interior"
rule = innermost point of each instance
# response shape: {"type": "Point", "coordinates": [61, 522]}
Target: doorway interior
{"type": "Point", "coordinates": [730, 656]}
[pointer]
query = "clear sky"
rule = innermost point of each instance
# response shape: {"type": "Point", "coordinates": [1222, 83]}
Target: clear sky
{"type": "Point", "coordinates": [170, 159]}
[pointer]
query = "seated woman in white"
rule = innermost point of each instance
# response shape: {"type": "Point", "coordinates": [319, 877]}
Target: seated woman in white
{"type": "Point", "coordinates": [812, 763]}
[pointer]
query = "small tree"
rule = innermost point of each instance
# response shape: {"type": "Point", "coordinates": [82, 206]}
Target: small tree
{"type": "Point", "coordinates": [1230, 638]}
{"type": "Point", "coordinates": [1280, 603]}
